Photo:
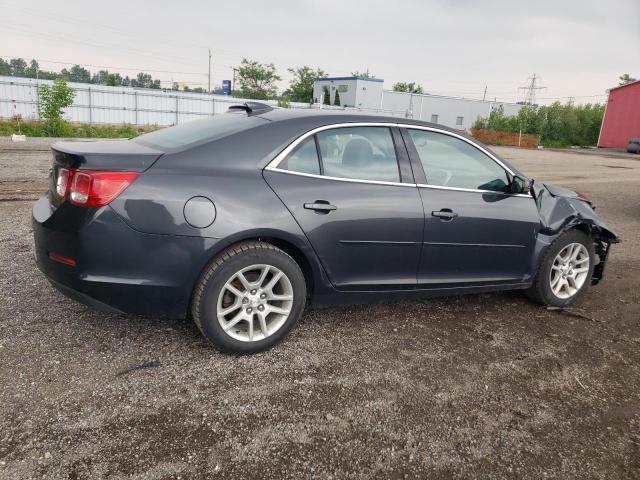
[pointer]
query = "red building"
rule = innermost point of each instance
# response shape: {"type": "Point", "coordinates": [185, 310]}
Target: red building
{"type": "Point", "coordinates": [621, 116]}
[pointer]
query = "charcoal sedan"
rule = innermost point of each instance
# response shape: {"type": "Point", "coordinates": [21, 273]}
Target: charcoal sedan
{"type": "Point", "coordinates": [242, 219]}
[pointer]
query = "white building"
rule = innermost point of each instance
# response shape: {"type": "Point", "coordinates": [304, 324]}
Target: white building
{"type": "Point", "coordinates": [354, 92]}
{"type": "Point", "coordinates": [368, 94]}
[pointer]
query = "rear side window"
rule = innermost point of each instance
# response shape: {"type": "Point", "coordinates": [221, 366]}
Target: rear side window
{"type": "Point", "coordinates": [363, 153]}
{"type": "Point", "coordinates": [451, 162]}
{"type": "Point", "coordinates": [207, 129]}
{"type": "Point", "coordinates": [304, 159]}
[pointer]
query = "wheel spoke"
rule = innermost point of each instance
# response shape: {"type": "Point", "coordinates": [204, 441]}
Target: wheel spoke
{"type": "Point", "coordinates": [581, 261]}
{"type": "Point", "coordinates": [243, 280]}
{"type": "Point", "coordinates": [263, 275]}
{"type": "Point", "coordinates": [558, 287]}
{"type": "Point", "coordinates": [577, 249]}
{"type": "Point", "coordinates": [276, 297]}
{"type": "Point", "coordinates": [281, 311]}
{"type": "Point", "coordinates": [234, 290]}
{"type": "Point", "coordinates": [226, 311]}
{"type": "Point", "coordinates": [571, 282]}
{"type": "Point", "coordinates": [263, 324]}
{"type": "Point", "coordinates": [272, 283]}
{"type": "Point", "coordinates": [239, 316]}
{"type": "Point", "coordinates": [250, 320]}
{"type": "Point", "coordinates": [581, 270]}
{"type": "Point", "coordinates": [556, 267]}
{"type": "Point", "coordinates": [555, 281]}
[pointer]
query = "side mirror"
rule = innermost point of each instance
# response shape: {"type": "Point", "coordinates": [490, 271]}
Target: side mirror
{"type": "Point", "coordinates": [520, 184]}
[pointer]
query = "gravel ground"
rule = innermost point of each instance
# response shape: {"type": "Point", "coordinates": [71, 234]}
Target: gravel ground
{"type": "Point", "coordinates": [481, 386]}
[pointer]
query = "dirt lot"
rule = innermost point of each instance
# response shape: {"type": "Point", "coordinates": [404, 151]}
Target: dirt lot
{"type": "Point", "coordinates": [483, 386]}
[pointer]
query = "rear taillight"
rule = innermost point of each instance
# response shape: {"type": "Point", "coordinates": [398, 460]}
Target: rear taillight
{"type": "Point", "coordinates": [62, 182]}
{"type": "Point", "coordinates": [92, 188]}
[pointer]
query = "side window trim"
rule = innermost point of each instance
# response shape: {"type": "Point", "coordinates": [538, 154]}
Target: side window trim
{"type": "Point", "coordinates": [418, 170]}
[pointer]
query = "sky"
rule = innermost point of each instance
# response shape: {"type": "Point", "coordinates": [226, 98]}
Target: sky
{"type": "Point", "coordinates": [578, 48]}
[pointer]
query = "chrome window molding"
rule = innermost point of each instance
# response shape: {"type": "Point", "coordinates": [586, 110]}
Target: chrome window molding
{"type": "Point", "coordinates": [472, 190]}
{"type": "Point", "coordinates": [273, 164]}
{"type": "Point", "coordinates": [341, 179]}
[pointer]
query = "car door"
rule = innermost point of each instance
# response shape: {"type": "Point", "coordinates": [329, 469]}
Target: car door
{"type": "Point", "coordinates": [476, 232]}
{"type": "Point", "coordinates": [351, 190]}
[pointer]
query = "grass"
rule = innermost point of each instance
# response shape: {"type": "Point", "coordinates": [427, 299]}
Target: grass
{"type": "Point", "coordinates": [75, 130]}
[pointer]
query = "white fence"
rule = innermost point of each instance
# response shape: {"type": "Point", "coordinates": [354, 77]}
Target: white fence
{"type": "Point", "coordinates": [114, 105]}
{"type": "Point", "coordinates": [141, 106]}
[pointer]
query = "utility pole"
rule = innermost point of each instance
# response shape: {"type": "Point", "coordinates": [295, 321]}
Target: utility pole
{"type": "Point", "coordinates": [531, 90]}
{"type": "Point", "coordinates": [209, 83]}
{"type": "Point", "coordinates": [484, 95]}
{"type": "Point", "coordinates": [233, 81]}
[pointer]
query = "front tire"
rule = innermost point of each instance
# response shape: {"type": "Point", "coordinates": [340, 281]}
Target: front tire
{"type": "Point", "coordinates": [249, 297]}
{"type": "Point", "coordinates": [565, 270]}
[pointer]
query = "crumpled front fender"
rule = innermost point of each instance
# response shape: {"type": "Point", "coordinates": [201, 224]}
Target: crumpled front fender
{"type": "Point", "coordinates": [560, 210]}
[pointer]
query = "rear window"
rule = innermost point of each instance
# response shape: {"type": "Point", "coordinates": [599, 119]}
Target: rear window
{"type": "Point", "coordinates": [207, 129]}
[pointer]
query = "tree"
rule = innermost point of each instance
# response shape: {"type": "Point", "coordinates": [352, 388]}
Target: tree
{"type": "Point", "coordinates": [53, 100]}
{"type": "Point", "coordinates": [5, 67]}
{"type": "Point", "coordinates": [410, 87]}
{"type": "Point", "coordinates": [301, 85]}
{"type": "Point", "coordinates": [32, 70]}
{"type": "Point", "coordinates": [626, 79]}
{"type": "Point", "coordinates": [558, 125]}
{"type": "Point", "coordinates": [257, 80]}
{"type": "Point", "coordinates": [79, 74]}
{"type": "Point", "coordinates": [326, 96]}
{"type": "Point", "coordinates": [366, 74]}
{"type": "Point", "coordinates": [18, 67]}
{"type": "Point", "coordinates": [337, 99]}
{"type": "Point", "coordinates": [144, 80]}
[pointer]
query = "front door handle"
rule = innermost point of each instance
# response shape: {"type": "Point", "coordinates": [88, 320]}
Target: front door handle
{"type": "Point", "coordinates": [320, 206]}
{"type": "Point", "coordinates": [445, 214]}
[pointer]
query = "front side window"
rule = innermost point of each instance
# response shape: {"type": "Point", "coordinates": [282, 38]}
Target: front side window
{"type": "Point", "coordinates": [364, 153]}
{"type": "Point", "coordinates": [451, 162]}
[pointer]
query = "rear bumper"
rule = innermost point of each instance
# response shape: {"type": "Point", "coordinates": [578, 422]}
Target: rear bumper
{"type": "Point", "coordinates": [117, 269]}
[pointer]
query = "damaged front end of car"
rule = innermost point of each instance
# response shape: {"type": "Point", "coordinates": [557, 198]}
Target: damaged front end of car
{"type": "Point", "coordinates": [562, 209]}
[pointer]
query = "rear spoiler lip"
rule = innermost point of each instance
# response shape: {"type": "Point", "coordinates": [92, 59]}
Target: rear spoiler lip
{"type": "Point", "coordinates": [121, 155]}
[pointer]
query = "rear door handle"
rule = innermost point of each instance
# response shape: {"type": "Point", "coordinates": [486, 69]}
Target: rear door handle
{"type": "Point", "coordinates": [320, 206]}
{"type": "Point", "coordinates": [444, 214]}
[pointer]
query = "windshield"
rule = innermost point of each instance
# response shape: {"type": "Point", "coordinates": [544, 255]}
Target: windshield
{"type": "Point", "coordinates": [210, 128]}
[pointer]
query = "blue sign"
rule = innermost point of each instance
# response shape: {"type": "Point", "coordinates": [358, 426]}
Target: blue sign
{"type": "Point", "coordinates": [226, 87]}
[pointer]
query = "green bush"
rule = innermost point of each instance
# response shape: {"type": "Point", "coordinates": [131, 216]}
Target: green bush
{"type": "Point", "coordinates": [74, 130]}
{"type": "Point", "coordinates": [558, 125]}
{"type": "Point", "coordinates": [53, 100]}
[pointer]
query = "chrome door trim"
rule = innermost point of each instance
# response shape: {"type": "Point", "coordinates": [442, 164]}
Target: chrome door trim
{"type": "Point", "coordinates": [340, 179]}
{"type": "Point", "coordinates": [473, 190]}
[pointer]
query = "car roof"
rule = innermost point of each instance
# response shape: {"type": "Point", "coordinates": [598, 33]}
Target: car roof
{"type": "Point", "coordinates": [329, 116]}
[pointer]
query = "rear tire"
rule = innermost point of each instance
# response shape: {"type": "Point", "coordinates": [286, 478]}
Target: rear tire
{"type": "Point", "coordinates": [249, 297]}
{"type": "Point", "coordinates": [565, 270]}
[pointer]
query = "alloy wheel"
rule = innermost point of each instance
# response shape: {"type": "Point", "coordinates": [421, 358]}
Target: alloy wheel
{"type": "Point", "coordinates": [255, 302]}
{"type": "Point", "coordinates": [569, 270]}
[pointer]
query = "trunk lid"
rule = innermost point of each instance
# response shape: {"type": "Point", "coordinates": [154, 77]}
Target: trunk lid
{"type": "Point", "coordinates": [121, 155]}
{"type": "Point", "coordinates": [102, 155]}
